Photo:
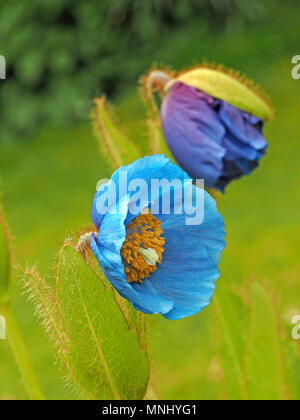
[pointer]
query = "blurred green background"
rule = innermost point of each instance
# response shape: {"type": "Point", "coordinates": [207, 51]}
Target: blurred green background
{"type": "Point", "coordinates": [59, 55]}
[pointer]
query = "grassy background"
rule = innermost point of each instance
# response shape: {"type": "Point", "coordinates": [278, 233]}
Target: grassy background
{"type": "Point", "coordinates": [49, 182]}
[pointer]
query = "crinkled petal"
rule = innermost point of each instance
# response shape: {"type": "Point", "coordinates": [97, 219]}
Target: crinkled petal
{"type": "Point", "coordinates": [189, 266]}
{"type": "Point", "coordinates": [146, 301]}
{"type": "Point", "coordinates": [210, 138]}
{"type": "Point", "coordinates": [107, 249]}
{"type": "Point", "coordinates": [244, 143]}
{"type": "Point", "coordinates": [193, 132]}
{"type": "Point", "coordinates": [242, 126]}
{"type": "Point", "coordinates": [145, 169]}
{"type": "Point", "coordinates": [183, 283]}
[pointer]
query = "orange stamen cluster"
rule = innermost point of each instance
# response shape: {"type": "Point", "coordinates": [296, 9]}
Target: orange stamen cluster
{"type": "Point", "coordinates": [142, 232]}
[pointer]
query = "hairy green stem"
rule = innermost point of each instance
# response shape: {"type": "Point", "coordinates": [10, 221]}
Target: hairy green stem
{"type": "Point", "coordinates": [19, 350]}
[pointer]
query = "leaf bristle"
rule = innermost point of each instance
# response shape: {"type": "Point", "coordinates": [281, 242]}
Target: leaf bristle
{"type": "Point", "coordinates": [51, 309]}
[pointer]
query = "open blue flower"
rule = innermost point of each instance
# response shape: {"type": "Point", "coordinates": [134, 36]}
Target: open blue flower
{"type": "Point", "coordinates": [210, 138]}
{"type": "Point", "coordinates": [157, 261]}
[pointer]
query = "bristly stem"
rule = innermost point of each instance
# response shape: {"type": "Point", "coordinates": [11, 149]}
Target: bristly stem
{"type": "Point", "coordinates": [19, 350]}
{"type": "Point", "coordinates": [152, 86]}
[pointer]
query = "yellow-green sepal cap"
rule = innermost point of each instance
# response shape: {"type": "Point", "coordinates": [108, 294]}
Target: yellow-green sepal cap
{"type": "Point", "coordinates": [228, 86]}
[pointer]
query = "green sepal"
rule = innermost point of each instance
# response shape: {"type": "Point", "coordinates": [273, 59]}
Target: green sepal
{"type": "Point", "coordinates": [119, 150]}
{"type": "Point", "coordinates": [228, 86]}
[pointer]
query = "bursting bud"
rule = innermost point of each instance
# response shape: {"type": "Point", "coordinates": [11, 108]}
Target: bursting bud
{"type": "Point", "coordinates": [213, 120]}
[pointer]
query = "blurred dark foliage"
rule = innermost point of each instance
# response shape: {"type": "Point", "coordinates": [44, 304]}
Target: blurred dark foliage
{"type": "Point", "coordinates": [61, 53]}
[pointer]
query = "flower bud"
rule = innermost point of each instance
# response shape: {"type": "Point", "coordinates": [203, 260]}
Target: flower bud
{"type": "Point", "coordinates": [213, 123]}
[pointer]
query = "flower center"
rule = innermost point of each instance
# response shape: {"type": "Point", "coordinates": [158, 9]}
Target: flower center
{"type": "Point", "coordinates": [143, 247]}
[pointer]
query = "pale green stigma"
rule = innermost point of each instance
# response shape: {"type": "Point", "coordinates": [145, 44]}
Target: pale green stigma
{"type": "Point", "coordinates": [150, 256]}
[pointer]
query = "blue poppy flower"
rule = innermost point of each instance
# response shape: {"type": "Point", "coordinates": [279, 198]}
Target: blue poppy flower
{"type": "Point", "coordinates": [210, 138]}
{"type": "Point", "coordinates": [157, 261]}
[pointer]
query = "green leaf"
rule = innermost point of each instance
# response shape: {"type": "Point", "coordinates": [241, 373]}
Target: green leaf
{"type": "Point", "coordinates": [100, 338]}
{"type": "Point", "coordinates": [104, 354]}
{"type": "Point", "coordinates": [263, 358]}
{"type": "Point", "coordinates": [252, 351]}
{"type": "Point", "coordinates": [228, 86]}
{"type": "Point", "coordinates": [5, 257]}
{"type": "Point", "coordinates": [120, 151]}
{"type": "Point", "coordinates": [232, 315]}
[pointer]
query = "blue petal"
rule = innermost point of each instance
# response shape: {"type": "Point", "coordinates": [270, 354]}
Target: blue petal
{"type": "Point", "coordinates": [107, 249]}
{"type": "Point", "coordinates": [147, 168]}
{"type": "Point", "coordinates": [210, 138]}
{"type": "Point", "coordinates": [148, 302]}
{"type": "Point", "coordinates": [194, 132]}
{"type": "Point", "coordinates": [183, 284]}
{"type": "Point", "coordinates": [244, 143]}
{"type": "Point", "coordinates": [189, 266]}
{"type": "Point", "coordinates": [242, 127]}
{"type": "Point", "coordinates": [111, 236]}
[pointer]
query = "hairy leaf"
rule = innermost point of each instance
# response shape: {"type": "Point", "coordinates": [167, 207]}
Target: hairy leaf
{"type": "Point", "coordinates": [252, 351]}
{"type": "Point", "coordinates": [99, 336]}
{"type": "Point", "coordinates": [120, 151]}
